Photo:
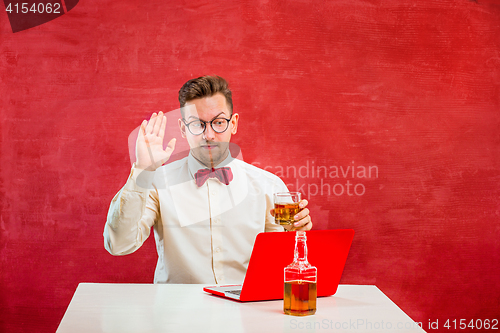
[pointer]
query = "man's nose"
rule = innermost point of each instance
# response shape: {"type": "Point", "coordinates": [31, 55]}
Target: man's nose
{"type": "Point", "coordinates": [209, 133]}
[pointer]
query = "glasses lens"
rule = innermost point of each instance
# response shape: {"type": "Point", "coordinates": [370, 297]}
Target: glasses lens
{"type": "Point", "coordinates": [196, 127]}
{"type": "Point", "coordinates": [219, 125]}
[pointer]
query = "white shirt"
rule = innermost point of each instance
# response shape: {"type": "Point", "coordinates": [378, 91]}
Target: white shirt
{"type": "Point", "coordinates": [203, 234]}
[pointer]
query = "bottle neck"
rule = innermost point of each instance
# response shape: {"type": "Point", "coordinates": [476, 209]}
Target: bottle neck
{"type": "Point", "coordinates": [300, 253]}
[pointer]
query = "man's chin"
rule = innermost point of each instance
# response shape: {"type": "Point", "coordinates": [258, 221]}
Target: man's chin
{"type": "Point", "coordinates": [208, 157]}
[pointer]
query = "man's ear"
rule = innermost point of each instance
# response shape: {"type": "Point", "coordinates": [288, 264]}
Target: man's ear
{"type": "Point", "coordinates": [182, 127]}
{"type": "Point", "coordinates": [234, 122]}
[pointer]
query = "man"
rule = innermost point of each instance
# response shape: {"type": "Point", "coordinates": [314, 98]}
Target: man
{"type": "Point", "coordinates": [207, 208]}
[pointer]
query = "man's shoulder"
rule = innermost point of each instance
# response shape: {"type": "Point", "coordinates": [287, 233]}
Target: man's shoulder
{"type": "Point", "coordinates": [255, 171]}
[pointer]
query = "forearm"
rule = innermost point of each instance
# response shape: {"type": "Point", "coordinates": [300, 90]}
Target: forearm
{"type": "Point", "coordinates": [132, 213]}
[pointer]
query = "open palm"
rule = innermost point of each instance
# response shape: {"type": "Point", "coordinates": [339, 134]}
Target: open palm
{"type": "Point", "coordinates": [149, 151]}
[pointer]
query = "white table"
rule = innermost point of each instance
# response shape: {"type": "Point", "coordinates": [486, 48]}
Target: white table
{"type": "Point", "coordinates": [141, 308]}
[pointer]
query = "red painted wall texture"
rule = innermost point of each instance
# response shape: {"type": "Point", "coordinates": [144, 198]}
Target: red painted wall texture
{"type": "Point", "coordinates": [406, 89]}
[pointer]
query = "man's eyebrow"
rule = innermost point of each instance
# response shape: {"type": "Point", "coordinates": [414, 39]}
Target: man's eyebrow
{"type": "Point", "coordinates": [210, 120]}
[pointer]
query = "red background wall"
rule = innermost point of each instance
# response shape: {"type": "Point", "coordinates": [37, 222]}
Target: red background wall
{"type": "Point", "coordinates": [411, 87]}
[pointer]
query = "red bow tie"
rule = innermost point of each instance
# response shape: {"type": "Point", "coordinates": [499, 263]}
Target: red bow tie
{"type": "Point", "coordinates": [225, 175]}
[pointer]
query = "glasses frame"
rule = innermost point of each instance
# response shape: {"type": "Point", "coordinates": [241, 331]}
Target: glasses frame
{"type": "Point", "coordinates": [205, 124]}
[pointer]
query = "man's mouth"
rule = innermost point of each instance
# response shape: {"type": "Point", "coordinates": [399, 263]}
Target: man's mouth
{"type": "Point", "coordinates": [209, 146]}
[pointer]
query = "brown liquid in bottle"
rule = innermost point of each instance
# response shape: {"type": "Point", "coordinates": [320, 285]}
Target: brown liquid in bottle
{"type": "Point", "coordinates": [299, 298]}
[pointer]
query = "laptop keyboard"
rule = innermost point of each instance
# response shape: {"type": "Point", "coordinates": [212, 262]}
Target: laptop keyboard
{"type": "Point", "coordinates": [235, 292]}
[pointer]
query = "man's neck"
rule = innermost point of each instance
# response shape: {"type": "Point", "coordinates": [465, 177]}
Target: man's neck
{"type": "Point", "coordinates": [213, 164]}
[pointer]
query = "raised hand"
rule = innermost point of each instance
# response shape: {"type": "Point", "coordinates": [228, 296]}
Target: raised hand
{"type": "Point", "coordinates": [149, 151]}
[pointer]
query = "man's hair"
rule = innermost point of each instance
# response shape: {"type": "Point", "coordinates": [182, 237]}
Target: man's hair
{"type": "Point", "coordinates": [205, 86]}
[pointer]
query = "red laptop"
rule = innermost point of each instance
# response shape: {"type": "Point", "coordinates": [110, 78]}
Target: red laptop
{"type": "Point", "coordinates": [273, 251]}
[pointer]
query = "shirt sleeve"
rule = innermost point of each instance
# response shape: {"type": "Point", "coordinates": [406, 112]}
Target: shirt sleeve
{"type": "Point", "coordinates": [132, 213]}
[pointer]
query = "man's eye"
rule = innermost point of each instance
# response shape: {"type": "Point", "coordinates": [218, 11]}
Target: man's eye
{"type": "Point", "coordinates": [196, 125]}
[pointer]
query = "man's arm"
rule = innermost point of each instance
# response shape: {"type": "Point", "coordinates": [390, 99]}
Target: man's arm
{"type": "Point", "coordinates": [132, 213]}
{"type": "Point", "coordinates": [135, 209]}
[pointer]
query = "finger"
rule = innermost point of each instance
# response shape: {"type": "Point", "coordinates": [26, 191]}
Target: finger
{"type": "Point", "coordinates": [142, 129]}
{"type": "Point", "coordinates": [303, 203]}
{"type": "Point", "coordinates": [302, 222]}
{"type": "Point", "coordinates": [151, 123]}
{"type": "Point", "coordinates": [158, 122]}
{"type": "Point", "coordinates": [141, 136]}
{"type": "Point", "coordinates": [163, 127]}
{"type": "Point", "coordinates": [307, 226]}
{"type": "Point", "coordinates": [302, 214]}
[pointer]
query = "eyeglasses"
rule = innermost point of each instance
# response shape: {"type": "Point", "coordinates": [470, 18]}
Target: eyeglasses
{"type": "Point", "coordinates": [219, 125]}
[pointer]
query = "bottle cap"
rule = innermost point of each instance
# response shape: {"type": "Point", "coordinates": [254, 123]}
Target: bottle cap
{"type": "Point", "coordinates": [300, 233]}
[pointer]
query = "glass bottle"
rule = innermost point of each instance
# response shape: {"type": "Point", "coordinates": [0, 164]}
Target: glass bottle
{"type": "Point", "coordinates": [300, 281]}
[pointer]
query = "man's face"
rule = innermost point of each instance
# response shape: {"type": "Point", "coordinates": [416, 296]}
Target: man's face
{"type": "Point", "coordinates": [209, 148]}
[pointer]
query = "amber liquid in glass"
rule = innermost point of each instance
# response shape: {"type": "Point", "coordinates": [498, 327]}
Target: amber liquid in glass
{"type": "Point", "coordinates": [284, 212]}
{"type": "Point", "coordinates": [299, 298]}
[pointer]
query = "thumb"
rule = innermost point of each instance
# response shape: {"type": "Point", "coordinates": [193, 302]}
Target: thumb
{"type": "Point", "coordinates": [171, 145]}
{"type": "Point", "coordinates": [168, 151]}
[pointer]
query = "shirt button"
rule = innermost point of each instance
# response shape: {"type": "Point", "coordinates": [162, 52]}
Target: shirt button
{"type": "Point", "coordinates": [217, 250]}
{"type": "Point", "coordinates": [213, 193]}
